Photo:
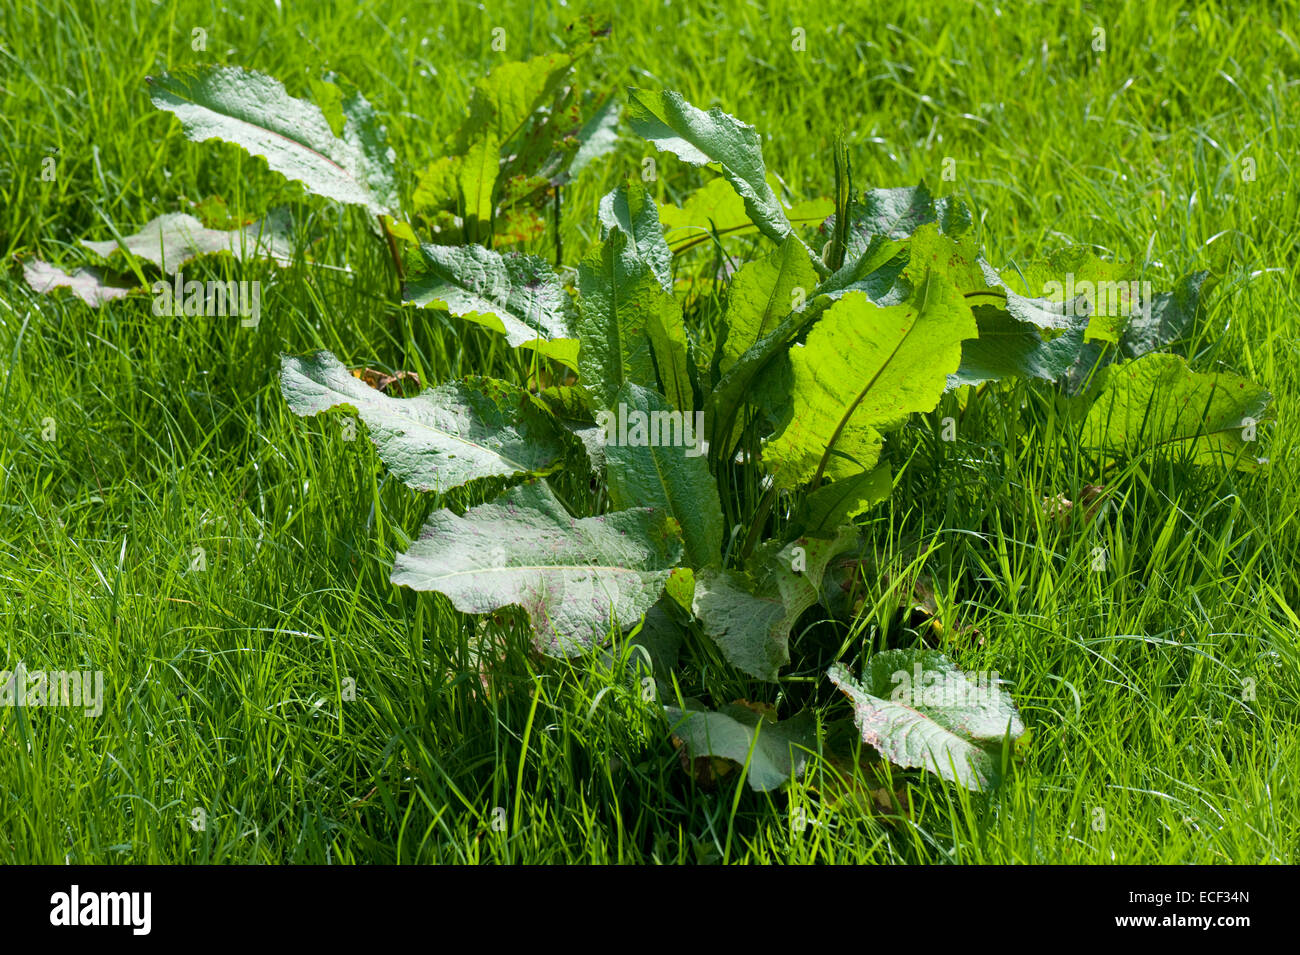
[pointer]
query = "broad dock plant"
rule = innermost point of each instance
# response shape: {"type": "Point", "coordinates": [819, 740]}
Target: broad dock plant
{"type": "Point", "coordinates": [727, 468]}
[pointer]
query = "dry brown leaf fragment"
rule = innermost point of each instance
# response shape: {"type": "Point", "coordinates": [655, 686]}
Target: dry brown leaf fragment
{"type": "Point", "coordinates": [766, 710]}
{"type": "Point", "coordinates": [705, 770]}
{"type": "Point", "coordinates": [382, 381]}
{"type": "Point", "coordinates": [90, 285]}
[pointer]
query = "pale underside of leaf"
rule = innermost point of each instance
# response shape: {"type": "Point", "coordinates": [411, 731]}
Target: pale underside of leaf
{"type": "Point", "coordinates": [88, 284]}
{"type": "Point", "coordinates": [631, 209]}
{"type": "Point", "coordinates": [255, 112]}
{"type": "Point", "coordinates": [440, 439]}
{"type": "Point", "coordinates": [940, 739]}
{"type": "Point", "coordinates": [171, 240]}
{"type": "Point", "coordinates": [577, 579]}
{"type": "Point", "coordinates": [631, 329]}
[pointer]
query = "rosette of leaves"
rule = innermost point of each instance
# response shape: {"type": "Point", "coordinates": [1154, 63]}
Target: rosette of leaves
{"type": "Point", "coordinates": [817, 359]}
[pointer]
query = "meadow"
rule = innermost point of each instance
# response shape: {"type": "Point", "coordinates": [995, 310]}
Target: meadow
{"type": "Point", "coordinates": [270, 696]}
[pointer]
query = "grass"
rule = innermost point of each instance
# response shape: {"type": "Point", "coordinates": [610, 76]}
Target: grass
{"type": "Point", "coordinates": [1161, 692]}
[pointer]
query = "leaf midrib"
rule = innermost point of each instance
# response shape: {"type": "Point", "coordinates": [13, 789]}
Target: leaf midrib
{"type": "Point", "coordinates": [920, 310]}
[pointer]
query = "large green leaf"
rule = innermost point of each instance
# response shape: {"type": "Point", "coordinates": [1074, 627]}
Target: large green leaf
{"type": "Point", "coordinates": [775, 752]}
{"type": "Point", "coordinates": [442, 438]}
{"type": "Point", "coordinates": [1158, 402]}
{"type": "Point", "coordinates": [748, 614]}
{"type": "Point", "coordinates": [654, 457]}
{"type": "Point", "coordinates": [577, 579]}
{"type": "Point", "coordinates": [762, 294]}
{"type": "Point", "coordinates": [515, 294]}
{"type": "Point", "coordinates": [476, 182]}
{"type": "Point", "coordinates": [921, 712]}
{"type": "Point", "coordinates": [697, 137]}
{"type": "Point", "coordinates": [254, 112]}
{"type": "Point", "coordinates": [630, 328]}
{"type": "Point", "coordinates": [862, 370]}
{"type": "Point", "coordinates": [172, 239]}
{"type": "Point", "coordinates": [630, 208]}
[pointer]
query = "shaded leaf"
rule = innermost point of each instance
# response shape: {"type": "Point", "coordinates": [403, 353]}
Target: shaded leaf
{"type": "Point", "coordinates": [838, 502]}
{"type": "Point", "coordinates": [171, 240]}
{"type": "Point", "coordinates": [667, 470]}
{"type": "Point", "coordinates": [1172, 316]}
{"type": "Point", "coordinates": [597, 137]}
{"type": "Point", "coordinates": [736, 387]}
{"type": "Point", "coordinates": [775, 752]}
{"type": "Point", "coordinates": [1007, 347]}
{"type": "Point", "coordinates": [897, 214]}
{"type": "Point", "coordinates": [874, 272]}
{"type": "Point", "coordinates": [661, 637]}
{"type": "Point", "coordinates": [749, 614]}
{"type": "Point", "coordinates": [253, 111]}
